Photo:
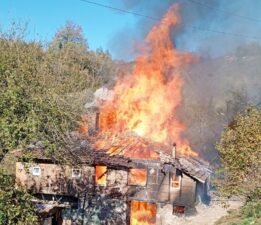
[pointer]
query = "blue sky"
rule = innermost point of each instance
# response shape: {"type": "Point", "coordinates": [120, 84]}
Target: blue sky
{"type": "Point", "coordinates": [117, 32]}
{"type": "Point", "coordinates": [46, 16]}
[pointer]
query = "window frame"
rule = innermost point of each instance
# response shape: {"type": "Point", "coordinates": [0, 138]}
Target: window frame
{"type": "Point", "coordinates": [76, 176]}
{"type": "Point", "coordinates": [36, 173]}
{"type": "Point", "coordinates": [104, 174]}
{"type": "Point", "coordinates": [172, 181]}
{"type": "Point", "coordinates": [137, 184]}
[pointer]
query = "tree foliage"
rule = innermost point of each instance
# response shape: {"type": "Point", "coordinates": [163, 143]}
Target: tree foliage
{"type": "Point", "coordinates": [240, 152]}
{"type": "Point", "coordinates": [28, 111]}
{"type": "Point", "coordinates": [69, 34]}
{"type": "Point", "coordinates": [42, 92]}
{"type": "Point", "coordinates": [15, 204]}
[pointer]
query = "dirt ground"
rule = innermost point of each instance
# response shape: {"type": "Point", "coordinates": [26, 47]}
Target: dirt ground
{"type": "Point", "coordinates": [203, 215]}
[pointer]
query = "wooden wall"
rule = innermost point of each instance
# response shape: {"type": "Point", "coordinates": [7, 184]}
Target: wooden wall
{"type": "Point", "coordinates": [57, 179]}
{"type": "Point", "coordinates": [158, 186]}
{"type": "Point", "coordinates": [186, 195]}
{"type": "Point", "coordinates": [112, 198]}
{"type": "Point", "coordinates": [53, 179]}
{"type": "Point", "coordinates": [150, 191]}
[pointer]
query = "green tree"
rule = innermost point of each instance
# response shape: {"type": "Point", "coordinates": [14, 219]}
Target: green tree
{"type": "Point", "coordinates": [29, 112]}
{"type": "Point", "coordinates": [240, 153]}
{"type": "Point", "coordinates": [101, 67]}
{"type": "Point", "coordinates": [42, 96]}
{"type": "Point", "coordinates": [69, 34]}
{"type": "Point", "coordinates": [16, 206]}
{"type": "Point", "coordinates": [74, 62]}
{"type": "Point", "coordinates": [43, 92]}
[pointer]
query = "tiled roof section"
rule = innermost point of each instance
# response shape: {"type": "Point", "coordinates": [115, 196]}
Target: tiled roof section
{"type": "Point", "coordinates": [196, 168]}
{"type": "Point", "coordinates": [134, 147]}
{"type": "Point", "coordinates": [35, 153]}
{"type": "Point", "coordinates": [79, 152]}
{"type": "Point", "coordinates": [118, 150]}
{"type": "Point", "coordinates": [82, 149]}
{"type": "Point", "coordinates": [129, 145]}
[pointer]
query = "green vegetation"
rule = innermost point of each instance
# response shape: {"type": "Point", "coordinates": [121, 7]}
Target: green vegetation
{"type": "Point", "coordinates": [240, 152]}
{"type": "Point", "coordinates": [15, 204]}
{"type": "Point", "coordinates": [43, 90]}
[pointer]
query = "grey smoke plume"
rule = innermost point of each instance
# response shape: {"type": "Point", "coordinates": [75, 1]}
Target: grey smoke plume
{"type": "Point", "coordinates": [214, 91]}
{"type": "Point", "coordinates": [200, 18]}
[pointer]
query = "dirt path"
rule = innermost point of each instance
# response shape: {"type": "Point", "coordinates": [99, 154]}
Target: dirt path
{"type": "Point", "coordinates": [205, 215]}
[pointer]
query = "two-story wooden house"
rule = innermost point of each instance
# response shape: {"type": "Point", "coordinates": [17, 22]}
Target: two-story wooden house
{"type": "Point", "coordinates": [112, 179]}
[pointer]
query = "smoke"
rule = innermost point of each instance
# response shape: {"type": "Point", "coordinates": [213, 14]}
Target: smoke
{"type": "Point", "coordinates": [204, 23]}
{"type": "Point", "coordinates": [226, 78]}
{"type": "Point", "coordinates": [214, 91]}
{"type": "Point", "coordinates": [127, 40]}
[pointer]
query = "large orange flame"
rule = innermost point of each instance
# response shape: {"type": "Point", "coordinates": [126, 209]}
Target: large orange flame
{"type": "Point", "coordinates": [143, 213]}
{"type": "Point", "coordinates": [146, 100]}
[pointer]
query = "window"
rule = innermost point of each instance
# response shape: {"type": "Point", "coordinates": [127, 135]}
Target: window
{"type": "Point", "coordinates": [76, 173]}
{"type": "Point", "coordinates": [101, 175]}
{"type": "Point", "coordinates": [36, 171]}
{"type": "Point", "coordinates": [137, 177]}
{"type": "Point", "coordinates": [175, 181]}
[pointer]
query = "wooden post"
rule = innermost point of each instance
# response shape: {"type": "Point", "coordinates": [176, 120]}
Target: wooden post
{"type": "Point", "coordinates": [174, 150]}
{"type": "Point", "coordinates": [97, 121]}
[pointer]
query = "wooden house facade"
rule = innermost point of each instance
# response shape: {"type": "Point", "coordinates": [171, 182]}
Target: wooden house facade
{"type": "Point", "coordinates": [112, 187]}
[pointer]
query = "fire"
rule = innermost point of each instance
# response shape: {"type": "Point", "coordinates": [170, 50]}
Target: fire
{"type": "Point", "coordinates": [146, 100]}
{"type": "Point", "coordinates": [137, 177]}
{"type": "Point", "coordinates": [143, 213]}
{"type": "Point", "coordinates": [127, 145]}
{"type": "Point", "coordinates": [101, 175]}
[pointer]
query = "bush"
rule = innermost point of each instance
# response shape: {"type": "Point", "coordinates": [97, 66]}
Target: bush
{"type": "Point", "coordinates": [240, 153]}
{"type": "Point", "coordinates": [16, 206]}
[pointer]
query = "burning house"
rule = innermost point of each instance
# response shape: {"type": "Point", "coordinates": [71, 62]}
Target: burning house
{"type": "Point", "coordinates": [130, 157]}
{"type": "Point", "coordinates": [113, 179]}
{"type": "Point", "coordinates": [114, 189]}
